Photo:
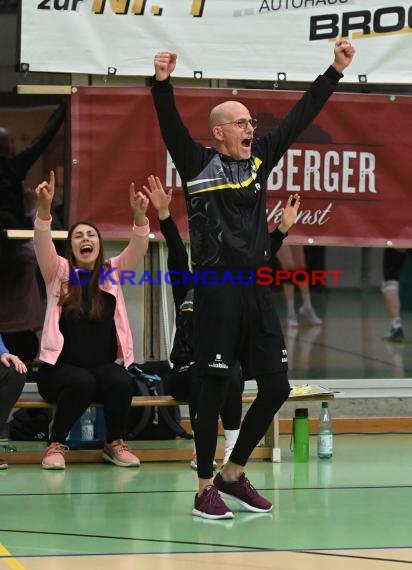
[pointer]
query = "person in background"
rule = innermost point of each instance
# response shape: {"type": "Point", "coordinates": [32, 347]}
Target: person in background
{"type": "Point", "coordinates": [86, 327]}
{"type": "Point", "coordinates": [225, 191]}
{"type": "Point", "coordinates": [292, 258]}
{"type": "Point", "coordinates": [12, 379]}
{"type": "Point", "coordinates": [21, 314]}
{"type": "Point", "coordinates": [393, 261]}
{"type": "Point", "coordinates": [15, 165]}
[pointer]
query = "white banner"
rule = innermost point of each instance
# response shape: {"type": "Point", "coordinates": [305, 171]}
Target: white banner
{"type": "Point", "coordinates": [224, 39]}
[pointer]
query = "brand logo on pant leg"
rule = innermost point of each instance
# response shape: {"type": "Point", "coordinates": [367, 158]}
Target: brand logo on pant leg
{"type": "Point", "coordinates": [218, 363]}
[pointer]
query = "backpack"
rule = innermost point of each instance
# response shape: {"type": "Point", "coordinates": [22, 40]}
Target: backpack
{"type": "Point", "coordinates": [30, 424]}
{"type": "Point", "coordinates": [152, 422]}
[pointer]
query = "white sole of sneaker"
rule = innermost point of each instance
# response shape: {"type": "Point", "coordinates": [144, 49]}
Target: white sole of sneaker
{"type": "Point", "coordinates": [56, 467]}
{"type": "Point", "coordinates": [246, 506]}
{"type": "Point", "coordinates": [228, 515]}
{"type": "Point", "coordinates": [119, 463]}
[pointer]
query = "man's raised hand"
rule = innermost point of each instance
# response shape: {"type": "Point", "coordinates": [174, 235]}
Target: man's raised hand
{"type": "Point", "coordinates": [344, 52]}
{"type": "Point", "coordinates": [164, 63]}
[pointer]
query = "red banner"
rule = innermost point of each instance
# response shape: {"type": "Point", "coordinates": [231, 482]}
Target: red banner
{"type": "Point", "coordinates": [351, 166]}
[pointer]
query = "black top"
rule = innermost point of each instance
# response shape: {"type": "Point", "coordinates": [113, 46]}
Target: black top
{"type": "Point", "coordinates": [177, 260]}
{"type": "Point", "coordinates": [226, 198]}
{"type": "Point", "coordinates": [89, 342]}
{"type": "Point", "coordinates": [13, 169]}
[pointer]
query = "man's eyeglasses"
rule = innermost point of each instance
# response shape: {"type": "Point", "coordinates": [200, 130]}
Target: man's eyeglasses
{"type": "Point", "coordinates": [241, 123]}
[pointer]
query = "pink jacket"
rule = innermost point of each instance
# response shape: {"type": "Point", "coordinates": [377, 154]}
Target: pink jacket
{"type": "Point", "coordinates": [55, 271]}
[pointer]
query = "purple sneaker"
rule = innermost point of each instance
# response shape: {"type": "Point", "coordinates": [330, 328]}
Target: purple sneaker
{"type": "Point", "coordinates": [244, 493]}
{"type": "Point", "coordinates": [209, 505]}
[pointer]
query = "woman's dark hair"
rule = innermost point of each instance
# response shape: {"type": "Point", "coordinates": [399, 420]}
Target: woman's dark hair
{"type": "Point", "coordinates": [72, 300]}
{"type": "Point", "coordinates": [12, 258]}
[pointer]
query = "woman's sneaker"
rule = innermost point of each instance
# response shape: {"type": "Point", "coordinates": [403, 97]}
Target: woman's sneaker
{"type": "Point", "coordinates": [242, 492]}
{"type": "Point", "coordinates": [293, 321]}
{"type": "Point", "coordinates": [209, 505]}
{"type": "Point", "coordinates": [118, 453]}
{"type": "Point", "coordinates": [193, 462]}
{"type": "Point", "coordinates": [3, 464]}
{"type": "Point", "coordinates": [310, 315]}
{"type": "Point", "coordinates": [394, 335]}
{"type": "Point", "coordinates": [54, 456]}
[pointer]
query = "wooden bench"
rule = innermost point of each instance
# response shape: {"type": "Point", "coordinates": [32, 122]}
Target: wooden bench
{"type": "Point", "coordinates": [269, 449]}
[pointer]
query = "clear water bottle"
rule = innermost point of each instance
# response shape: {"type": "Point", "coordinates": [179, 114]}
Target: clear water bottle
{"type": "Point", "coordinates": [87, 425]}
{"type": "Point", "coordinates": [325, 434]}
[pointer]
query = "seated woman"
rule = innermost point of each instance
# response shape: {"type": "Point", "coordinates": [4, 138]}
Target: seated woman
{"type": "Point", "coordinates": [86, 327]}
{"type": "Point", "coordinates": [12, 379]}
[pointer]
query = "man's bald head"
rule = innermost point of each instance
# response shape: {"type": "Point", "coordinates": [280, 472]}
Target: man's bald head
{"type": "Point", "coordinates": [226, 112]}
{"type": "Point", "coordinates": [232, 129]}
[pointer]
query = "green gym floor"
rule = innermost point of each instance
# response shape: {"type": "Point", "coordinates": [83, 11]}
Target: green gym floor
{"type": "Point", "coordinates": [348, 512]}
{"type": "Point", "coordinates": [353, 512]}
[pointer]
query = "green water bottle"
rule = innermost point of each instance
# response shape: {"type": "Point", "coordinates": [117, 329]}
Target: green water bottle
{"type": "Point", "coordinates": [301, 435]}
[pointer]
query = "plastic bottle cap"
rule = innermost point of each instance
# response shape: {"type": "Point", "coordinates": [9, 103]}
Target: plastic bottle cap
{"type": "Point", "coordinates": [301, 413]}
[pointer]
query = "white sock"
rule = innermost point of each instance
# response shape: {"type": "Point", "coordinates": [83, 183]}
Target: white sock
{"type": "Point", "coordinates": [291, 307]}
{"type": "Point", "coordinates": [307, 303]}
{"type": "Point", "coordinates": [396, 323]}
{"type": "Point", "coordinates": [231, 436]}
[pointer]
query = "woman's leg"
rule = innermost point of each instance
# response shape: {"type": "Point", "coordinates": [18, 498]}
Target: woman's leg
{"type": "Point", "coordinates": [72, 389]}
{"type": "Point", "coordinates": [285, 257]}
{"type": "Point", "coordinates": [306, 310]}
{"type": "Point", "coordinates": [11, 386]}
{"type": "Point", "coordinates": [115, 391]}
{"type": "Point", "coordinates": [393, 260]}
